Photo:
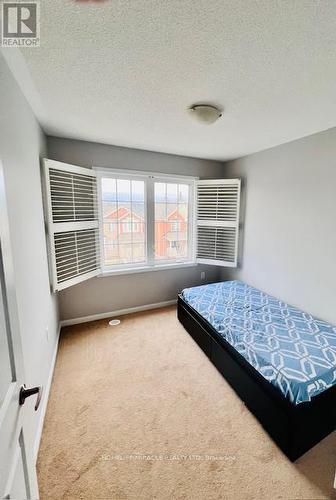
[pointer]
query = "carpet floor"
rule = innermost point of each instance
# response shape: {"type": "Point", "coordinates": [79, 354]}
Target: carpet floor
{"type": "Point", "coordinates": [138, 412]}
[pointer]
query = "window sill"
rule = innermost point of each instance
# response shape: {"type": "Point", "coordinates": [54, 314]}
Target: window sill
{"type": "Point", "coordinates": [145, 269]}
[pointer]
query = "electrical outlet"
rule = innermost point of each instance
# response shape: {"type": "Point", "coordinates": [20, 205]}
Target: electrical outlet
{"type": "Point", "coordinates": [203, 275]}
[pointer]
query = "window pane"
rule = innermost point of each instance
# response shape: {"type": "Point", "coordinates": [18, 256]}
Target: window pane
{"type": "Point", "coordinates": [160, 192]}
{"type": "Point", "coordinates": [111, 254]}
{"type": "Point", "coordinates": [183, 193]}
{"type": "Point", "coordinates": [171, 221]}
{"type": "Point", "coordinates": [109, 195]}
{"type": "Point", "coordinates": [110, 232]}
{"type": "Point", "coordinates": [183, 212]}
{"type": "Point", "coordinates": [124, 224]}
{"type": "Point", "coordinates": [138, 211]}
{"type": "Point", "coordinates": [109, 188]}
{"type": "Point", "coordinates": [172, 211]}
{"type": "Point", "coordinates": [171, 193]}
{"type": "Point", "coordinates": [138, 191]}
{"type": "Point", "coordinates": [124, 221]}
{"type": "Point", "coordinates": [123, 190]}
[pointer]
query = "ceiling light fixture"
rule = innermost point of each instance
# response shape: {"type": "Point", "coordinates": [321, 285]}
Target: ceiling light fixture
{"type": "Point", "coordinates": [205, 113]}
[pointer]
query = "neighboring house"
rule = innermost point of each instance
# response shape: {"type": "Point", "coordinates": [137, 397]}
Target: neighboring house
{"type": "Point", "coordinates": [124, 234]}
{"type": "Point", "coordinates": [171, 231]}
{"type": "Point", "coordinates": [129, 222]}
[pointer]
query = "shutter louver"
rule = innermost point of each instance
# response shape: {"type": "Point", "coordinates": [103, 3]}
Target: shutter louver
{"type": "Point", "coordinates": [218, 221]}
{"type": "Point", "coordinates": [72, 206]}
{"type": "Point", "coordinates": [73, 196]}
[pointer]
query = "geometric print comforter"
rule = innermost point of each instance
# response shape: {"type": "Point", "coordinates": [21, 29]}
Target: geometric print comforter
{"type": "Point", "coordinates": [291, 349]}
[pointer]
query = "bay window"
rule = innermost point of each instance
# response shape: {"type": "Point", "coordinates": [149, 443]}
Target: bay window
{"type": "Point", "coordinates": [104, 221]}
{"type": "Point", "coordinates": [152, 215]}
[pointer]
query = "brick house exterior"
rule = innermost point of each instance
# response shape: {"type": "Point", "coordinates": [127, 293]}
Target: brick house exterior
{"type": "Point", "coordinates": [170, 234]}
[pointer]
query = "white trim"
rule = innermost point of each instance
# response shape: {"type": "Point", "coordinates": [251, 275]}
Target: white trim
{"type": "Point", "coordinates": [77, 279]}
{"type": "Point", "coordinates": [193, 223]}
{"type": "Point", "coordinates": [238, 223]}
{"type": "Point", "coordinates": [150, 225]}
{"type": "Point", "coordinates": [145, 269]}
{"type": "Point", "coordinates": [46, 392]}
{"type": "Point", "coordinates": [120, 312]}
{"type": "Point", "coordinates": [222, 263]}
{"type": "Point", "coordinates": [140, 173]}
{"type": "Point", "coordinates": [217, 182]}
{"type": "Point", "coordinates": [217, 223]}
{"type": "Point", "coordinates": [100, 222]}
{"type": "Point", "coordinates": [67, 167]}
{"type": "Point", "coordinates": [121, 174]}
{"type": "Point", "coordinates": [49, 224]}
{"type": "Point", "coordinates": [63, 227]}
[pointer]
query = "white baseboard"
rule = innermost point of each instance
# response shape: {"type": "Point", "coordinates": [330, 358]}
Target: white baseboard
{"type": "Point", "coordinates": [45, 396]}
{"type": "Point", "coordinates": [120, 312]}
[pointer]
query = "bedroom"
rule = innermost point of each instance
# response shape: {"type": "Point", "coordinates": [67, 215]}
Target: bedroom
{"type": "Point", "coordinates": [148, 149]}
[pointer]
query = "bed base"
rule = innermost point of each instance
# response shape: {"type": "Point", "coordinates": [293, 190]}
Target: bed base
{"type": "Point", "coordinates": [294, 428]}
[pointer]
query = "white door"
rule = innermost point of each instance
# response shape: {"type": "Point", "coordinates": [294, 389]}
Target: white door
{"type": "Point", "coordinates": [17, 470]}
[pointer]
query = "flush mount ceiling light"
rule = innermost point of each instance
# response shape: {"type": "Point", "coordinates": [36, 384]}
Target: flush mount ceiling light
{"type": "Point", "coordinates": [204, 113]}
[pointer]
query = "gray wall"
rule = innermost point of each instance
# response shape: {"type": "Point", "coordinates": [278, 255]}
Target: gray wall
{"type": "Point", "coordinates": [21, 142]}
{"type": "Point", "coordinates": [111, 293]}
{"type": "Point", "coordinates": [289, 237]}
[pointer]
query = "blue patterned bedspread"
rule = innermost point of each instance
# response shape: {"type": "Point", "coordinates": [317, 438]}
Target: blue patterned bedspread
{"type": "Point", "coordinates": [290, 348]}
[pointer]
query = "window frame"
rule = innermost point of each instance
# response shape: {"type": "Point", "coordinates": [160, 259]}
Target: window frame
{"type": "Point", "coordinates": [149, 178]}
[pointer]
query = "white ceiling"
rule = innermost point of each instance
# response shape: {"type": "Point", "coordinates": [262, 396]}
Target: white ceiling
{"type": "Point", "coordinates": [123, 72]}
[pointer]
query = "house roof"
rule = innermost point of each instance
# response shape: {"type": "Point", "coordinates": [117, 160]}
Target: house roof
{"type": "Point", "coordinates": [163, 212]}
{"type": "Point", "coordinates": [121, 213]}
{"type": "Point", "coordinates": [168, 211]}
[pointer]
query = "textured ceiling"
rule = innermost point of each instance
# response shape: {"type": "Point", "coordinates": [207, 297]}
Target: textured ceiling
{"type": "Point", "coordinates": [124, 71]}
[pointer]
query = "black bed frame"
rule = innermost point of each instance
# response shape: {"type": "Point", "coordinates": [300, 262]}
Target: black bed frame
{"type": "Point", "coordinates": [294, 428]}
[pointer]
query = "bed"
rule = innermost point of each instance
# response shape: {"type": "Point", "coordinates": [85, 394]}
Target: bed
{"type": "Point", "coordinates": [281, 361]}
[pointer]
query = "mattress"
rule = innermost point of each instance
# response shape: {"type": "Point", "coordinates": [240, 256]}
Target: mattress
{"type": "Point", "coordinates": [290, 348]}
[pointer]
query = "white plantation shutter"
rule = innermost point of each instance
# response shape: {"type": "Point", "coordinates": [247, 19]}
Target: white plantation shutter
{"type": "Point", "coordinates": [218, 221]}
{"type": "Point", "coordinates": [72, 219]}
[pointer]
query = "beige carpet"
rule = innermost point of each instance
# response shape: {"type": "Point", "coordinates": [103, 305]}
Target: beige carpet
{"type": "Point", "coordinates": [138, 412]}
